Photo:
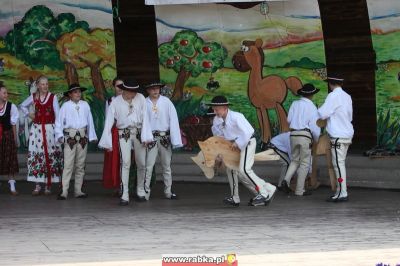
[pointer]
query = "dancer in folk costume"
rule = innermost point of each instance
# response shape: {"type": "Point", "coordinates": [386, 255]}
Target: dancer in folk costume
{"type": "Point", "coordinates": [302, 119]}
{"type": "Point", "coordinates": [45, 154]}
{"type": "Point", "coordinates": [74, 128]}
{"type": "Point", "coordinates": [233, 126]}
{"type": "Point", "coordinates": [166, 133]}
{"type": "Point", "coordinates": [338, 110]}
{"type": "Point", "coordinates": [112, 165]}
{"type": "Point", "coordinates": [128, 112]}
{"type": "Point", "coordinates": [8, 138]}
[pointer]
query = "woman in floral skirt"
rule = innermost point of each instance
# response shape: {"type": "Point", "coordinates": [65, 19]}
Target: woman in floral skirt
{"type": "Point", "coordinates": [44, 156]}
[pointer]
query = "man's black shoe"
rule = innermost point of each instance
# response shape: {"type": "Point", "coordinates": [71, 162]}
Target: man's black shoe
{"type": "Point", "coordinates": [230, 201]}
{"type": "Point", "coordinates": [123, 202]}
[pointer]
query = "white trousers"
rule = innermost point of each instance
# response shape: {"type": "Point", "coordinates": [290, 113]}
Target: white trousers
{"type": "Point", "coordinates": [300, 142]}
{"type": "Point", "coordinates": [165, 159]}
{"type": "Point", "coordinates": [285, 162]}
{"type": "Point", "coordinates": [247, 176]}
{"type": "Point", "coordinates": [73, 159]}
{"type": "Point", "coordinates": [126, 144]}
{"type": "Point", "coordinates": [339, 147]}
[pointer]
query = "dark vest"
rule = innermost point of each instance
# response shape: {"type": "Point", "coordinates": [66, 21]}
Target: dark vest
{"type": "Point", "coordinates": [5, 119]}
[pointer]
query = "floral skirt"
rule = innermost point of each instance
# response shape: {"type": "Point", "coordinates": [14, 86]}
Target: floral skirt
{"type": "Point", "coordinates": [8, 154]}
{"type": "Point", "coordinates": [38, 166]}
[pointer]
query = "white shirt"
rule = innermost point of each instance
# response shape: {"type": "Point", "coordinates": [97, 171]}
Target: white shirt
{"type": "Point", "coordinates": [236, 128]}
{"type": "Point", "coordinates": [282, 142]}
{"type": "Point", "coordinates": [163, 117]}
{"type": "Point", "coordinates": [29, 101]}
{"type": "Point", "coordinates": [14, 115]}
{"type": "Point", "coordinates": [303, 114]}
{"type": "Point", "coordinates": [338, 110]}
{"type": "Point", "coordinates": [126, 115]}
{"type": "Point", "coordinates": [75, 116]}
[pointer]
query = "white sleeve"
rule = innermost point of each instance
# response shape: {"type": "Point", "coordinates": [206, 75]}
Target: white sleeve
{"type": "Point", "coordinates": [14, 115]}
{"type": "Point", "coordinates": [59, 127]}
{"type": "Point", "coordinates": [106, 138]}
{"type": "Point", "coordinates": [246, 131]}
{"type": "Point", "coordinates": [328, 108]}
{"type": "Point", "coordinates": [146, 134]}
{"type": "Point", "coordinates": [215, 128]}
{"type": "Point", "coordinates": [25, 105]}
{"type": "Point", "coordinates": [315, 130]}
{"type": "Point", "coordinates": [175, 131]}
{"type": "Point", "coordinates": [56, 106]}
{"type": "Point", "coordinates": [91, 128]}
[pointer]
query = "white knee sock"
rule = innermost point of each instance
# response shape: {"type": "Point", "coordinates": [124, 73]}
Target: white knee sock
{"type": "Point", "coordinates": [12, 184]}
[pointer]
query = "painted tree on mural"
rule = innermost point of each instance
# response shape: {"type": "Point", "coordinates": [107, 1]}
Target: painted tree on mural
{"type": "Point", "coordinates": [92, 49]}
{"type": "Point", "coordinates": [189, 56]}
{"type": "Point", "coordinates": [33, 39]}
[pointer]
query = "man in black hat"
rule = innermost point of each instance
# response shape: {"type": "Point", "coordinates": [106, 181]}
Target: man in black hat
{"type": "Point", "coordinates": [167, 135]}
{"type": "Point", "coordinates": [128, 111]}
{"type": "Point", "coordinates": [233, 126]}
{"type": "Point", "coordinates": [75, 128]}
{"type": "Point", "coordinates": [304, 131]}
{"type": "Point", "coordinates": [338, 111]}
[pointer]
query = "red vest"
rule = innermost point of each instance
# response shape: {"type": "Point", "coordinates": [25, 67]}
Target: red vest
{"type": "Point", "coordinates": [44, 113]}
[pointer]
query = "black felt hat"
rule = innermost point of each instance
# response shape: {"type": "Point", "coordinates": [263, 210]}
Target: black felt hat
{"type": "Point", "coordinates": [154, 84]}
{"type": "Point", "coordinates": [72, 87]}
{"type": "Point", "coordinates": [334, 77]}
{"type": "Point", "coordinates": [219, 101]}
{"type": "Point", "coordinates": [129, 85]}
{"type": "Point", "coordinates": [307, 90]}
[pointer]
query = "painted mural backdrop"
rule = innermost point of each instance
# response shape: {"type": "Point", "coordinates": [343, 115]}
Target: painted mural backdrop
{"type": "Point", "coordinates": [68, 41]}
{"type": "Point", "coordinates": [385, 30]}
{"type": "Point", "coordinates": [258, 57]}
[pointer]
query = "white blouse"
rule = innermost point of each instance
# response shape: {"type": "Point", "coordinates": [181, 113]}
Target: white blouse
{"type": "Point", "coordinates": [163, 117]}
{"type": "Point", "coordinates": [126, 115]}
{"type": "Point", "coordinates": [14, 115]}
{"type": "Point", "coordinates": [75, 116]}
{"type": "Point", "coordinates": [29, 101]}
{"type": "Point", "coordinates": [338, 109]}
{"type": "Point", "coordinates": [235, 128]}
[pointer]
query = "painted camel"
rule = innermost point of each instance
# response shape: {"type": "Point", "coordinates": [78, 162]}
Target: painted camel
{"type": "Point", "coordinates": [264, 92]}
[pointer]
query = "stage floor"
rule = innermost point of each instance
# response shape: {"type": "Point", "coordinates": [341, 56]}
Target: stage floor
{"type": "Point", "coordinates": [291, 231]}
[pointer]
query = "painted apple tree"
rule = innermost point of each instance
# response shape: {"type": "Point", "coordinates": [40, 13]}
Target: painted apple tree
{"type": "Point", "coordinates": [189, 56]}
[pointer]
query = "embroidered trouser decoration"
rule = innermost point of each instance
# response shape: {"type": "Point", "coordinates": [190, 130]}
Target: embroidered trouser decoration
{"type": "Point", "coordinates": [74, 161]}
{"type": "Point", "coordinates": [165, 155]}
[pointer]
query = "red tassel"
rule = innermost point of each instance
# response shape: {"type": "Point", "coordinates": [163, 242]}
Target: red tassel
{"type": "Point", "coordinates": [340, 180]}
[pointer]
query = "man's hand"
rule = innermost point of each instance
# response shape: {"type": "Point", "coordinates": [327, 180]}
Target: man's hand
{"type": "Point", "coordinates": [31, 116]}
{"type": "Point", "coordinates": [109, 150]}
{"type": "Point", "coordinates": [61, 140]}
{"type": "Point", "coordinates": [218, 161]}
{"type": "Point", "coordinates": [234, 147]}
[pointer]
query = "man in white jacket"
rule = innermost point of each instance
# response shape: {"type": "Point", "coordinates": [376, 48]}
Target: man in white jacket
{"type": "Point", "coordinates": [75, 128]}
{"type": "Point", "coordinates": [128, 111]}
{"type": "Point", "coordinates": [304, 131]}
{"type": "Point", "coordinates": [338, 111]}
{"type": "Point", "coordinates": [166, 133]}
{"type": "Point", "coordinates": [233, 126]}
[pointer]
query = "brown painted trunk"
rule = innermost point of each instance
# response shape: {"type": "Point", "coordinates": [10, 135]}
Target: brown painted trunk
{"type": "Point", "coordinates": [180, 84]}
{"type": "Point", "coordinates": [71, 74]}
{"type": "Point", "coordinates": [97, 79]}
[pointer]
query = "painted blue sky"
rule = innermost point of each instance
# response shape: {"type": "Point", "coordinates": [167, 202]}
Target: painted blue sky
{"type": "Point", "coordinates": [97, 13]}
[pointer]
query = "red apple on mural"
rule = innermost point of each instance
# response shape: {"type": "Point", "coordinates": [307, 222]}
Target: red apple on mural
{"type": "Point", "coordinates": [207, 64]}
{"type": "Point", "coordinates": [184, 42]}
{"type": "Point", "coordinates": [170, 62]}
{"type": "Point", "coordinates": [206, 49]}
